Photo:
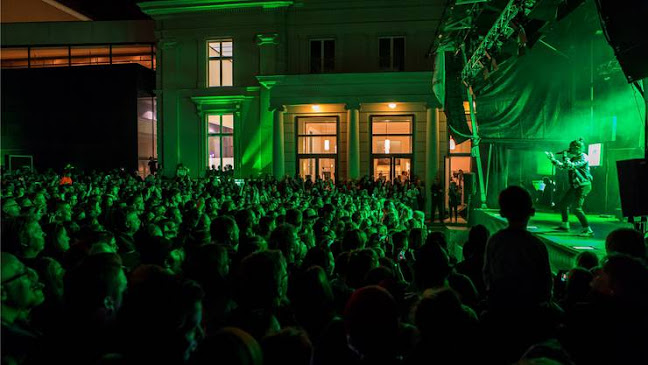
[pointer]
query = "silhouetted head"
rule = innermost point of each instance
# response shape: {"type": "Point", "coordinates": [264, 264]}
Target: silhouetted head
{"type": "Point", "coordinates": [627, 241]}
{"type": "Point", "coordinates": [516, 205]}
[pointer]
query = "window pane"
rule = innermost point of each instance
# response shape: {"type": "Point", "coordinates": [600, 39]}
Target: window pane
{"type": "Point", "coordinates": [329, 55]}
{"type": "Point", "coordinates": [307, 168]}
{"type": "Point", "coordinates": [214, 49]}
{"type": "Point", "coordinates": [316, 128]}
{"type": "Point", "coordinates": [316, 56]}
{"type": "Point", "coordinates": [392, 144]}
{"type": "Point", "coordinates": [228, 49]}
{"type": "Point", "coordinates": [49, 57]}
{"type": "Point", "coordinates": [391, 128]}
{"type": "Point", "coordinates": [214, 73]}
{"type": "Point", "coordinates": [317, 145]}
{"type": "Point", "coordinates": [463, 147]}
{"type": "Point", "coordinates": [214, 151]}
{"type": "Point", "coordinates": [227, 73]}
{"type": "Point", "coordinates": [402, 167]}
{"type": "Point", "coordinates": [136, 53]}
{"type": "Point", "coordinates": [384, 53]}
{"type": "Point", "coordinates": [228, 151]}
{"type": "Point", "coordinates": [91, 55]}
{"type": "Point", "coordinates": [228, 123]}
{"type": "Point", "coordinates": [382, 169]}
{"type": "Point", "coordinates": [14, 57]}
{"type": "Point", "coordinates": [327, 168]}
{"type": "Point", "coordinates": [399, 54]}
{"type": "Point", "coordinates": [213, 124]}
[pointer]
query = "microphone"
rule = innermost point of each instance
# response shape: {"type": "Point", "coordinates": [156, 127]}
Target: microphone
{"type": "Point", "coordinates": [561, 152]}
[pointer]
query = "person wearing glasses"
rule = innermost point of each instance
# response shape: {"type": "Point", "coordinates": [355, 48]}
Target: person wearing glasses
{"type": "Point", "coordinates": [21, 292]}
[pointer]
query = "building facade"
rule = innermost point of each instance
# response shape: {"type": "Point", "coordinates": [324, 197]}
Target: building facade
{"type": "Point", "coordinates": [334, 89]}
{"type": "Point", "coordinates": [80, 88]}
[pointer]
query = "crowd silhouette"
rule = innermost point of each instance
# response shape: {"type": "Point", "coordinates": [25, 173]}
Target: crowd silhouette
{"type": "Point", "coordinates": [109, 268]}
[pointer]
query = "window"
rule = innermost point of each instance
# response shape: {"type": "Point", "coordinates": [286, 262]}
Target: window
{"type": "Point", "coordinates": [317, 147]}
{"type": "Point", "coordinates": [220, 131]}
{"type": "Point", "coordinates": [49, 57]}
{"type": "Point", "coordinates": [146, 133]}
{"type": "Point", "coordinates": [322, 55]}
{"type": "Point", "coordinates": [86, 55]}
{"type": "Point", "coordinates": [391, 134]}
{"type": "Point", "coordinates": [391, 53]}
{"type": "Point", "coordinates": [392, 147]}
{"type": "Point", "coordinates": [220, 54]}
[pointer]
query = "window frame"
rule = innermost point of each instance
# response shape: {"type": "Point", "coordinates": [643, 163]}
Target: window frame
{"type": "Point", "coordinates": [322, 58]}
{"type": "Point", "coordinates": [391, 66]}
{"type": "Point", "coordinates": [220, 60]}
{"type": "Point", "coordinates": [392, 156]}
{"type": "Point", "coordinates": [220, 135]}
{"type": "Point", "coordinates": [69, 57]}
{"type": "Point", "coordinates": [318, 156]}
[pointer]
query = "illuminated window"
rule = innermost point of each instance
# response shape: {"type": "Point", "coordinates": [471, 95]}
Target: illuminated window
{"type": "Point", "coordinates": [322, 55]}
{"type": "Point", "coordinates": [392, 147]}
{"type": "Point", "coordinates": [15, 57]}
{"type": "Point", "coordinates": [220, 131]}
{"type": "Point", "coordinates": [391, 53]}
{"type": "Point", "coordinates": [86, 55]}
{"type": "Point", "coordinates": [220, 58]}
{"type": "Point", "coordinates": [49, 57]}
{"type": "Point", "coordinates": [391, 134]}
{"type": "Point", "coordinates": [317, 147]}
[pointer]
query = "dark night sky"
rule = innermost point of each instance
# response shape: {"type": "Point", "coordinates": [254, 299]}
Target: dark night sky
{"type": "Point", "coordinates": [107, 9]}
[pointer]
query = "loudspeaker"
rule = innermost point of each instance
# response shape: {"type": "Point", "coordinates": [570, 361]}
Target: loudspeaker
{"type": "Point", "coordinates": [633, 180]}
{"type": "Point", "coordinates": [470, 188]}
{"type": "Point", "coordinates": [625, 27]}
{"type": "Point", "coordinates": [454, 98]}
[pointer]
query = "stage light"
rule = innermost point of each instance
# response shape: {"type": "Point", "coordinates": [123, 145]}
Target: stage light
{"type": "Point", "coordinates": [327, 145]}
{"type": "Point", "coordinates": [392, 105]}
{"type": "Point", "coordinates": [387, 145]}
{"type": "Point", "coordinates": [452, 144]}
{"type": "Point", "coordinates": [316, 108]}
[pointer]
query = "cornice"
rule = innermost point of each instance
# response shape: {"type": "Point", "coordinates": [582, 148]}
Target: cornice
{"type": "Point", "coordinates": [166, 7]}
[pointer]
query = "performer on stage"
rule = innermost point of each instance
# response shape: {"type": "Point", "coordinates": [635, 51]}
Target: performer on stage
{"type": "Point", "coordinates": [576, 162]}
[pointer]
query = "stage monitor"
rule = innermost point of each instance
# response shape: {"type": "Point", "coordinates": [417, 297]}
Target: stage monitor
{"type": "Point", "coordinates": [595, 153]}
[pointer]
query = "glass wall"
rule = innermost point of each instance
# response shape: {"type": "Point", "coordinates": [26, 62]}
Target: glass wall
{"type": "Point", "coordinates": [81, 55]}
{"type": "Point", "coordinates": [146, 134]}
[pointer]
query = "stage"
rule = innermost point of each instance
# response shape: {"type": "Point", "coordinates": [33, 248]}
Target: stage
{"type": "Point", "coordinates": [562, 246]}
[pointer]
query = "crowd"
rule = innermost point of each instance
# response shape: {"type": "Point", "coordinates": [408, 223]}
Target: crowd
{"type": "Point", "coordinates": [109, 268]}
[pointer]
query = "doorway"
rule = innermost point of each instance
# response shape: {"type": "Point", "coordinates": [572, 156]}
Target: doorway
{"type": "Point", "coordinates": [312, 167]}
{"type": "Point", "coordinates": [391, 168]}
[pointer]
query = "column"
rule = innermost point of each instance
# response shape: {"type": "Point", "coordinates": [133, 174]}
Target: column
{"type": "Point", "coordinates": [267, 53]}
{"type": "Point", "coordinates": [353, 140]}
{"type": "Point", "coordinates": [431, 152]}
{"type": "Point", "coordinates": [278, 157]}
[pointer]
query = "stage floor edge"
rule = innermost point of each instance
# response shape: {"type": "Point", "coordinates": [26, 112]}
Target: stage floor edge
{"type": "Point", "coordinates": [562, 246]}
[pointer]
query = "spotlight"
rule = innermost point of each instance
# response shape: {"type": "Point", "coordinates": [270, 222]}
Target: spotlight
{"type": "Point", "coordinates": [392, 105]}
{"type": "Point", "coordinates": [316, 107]}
